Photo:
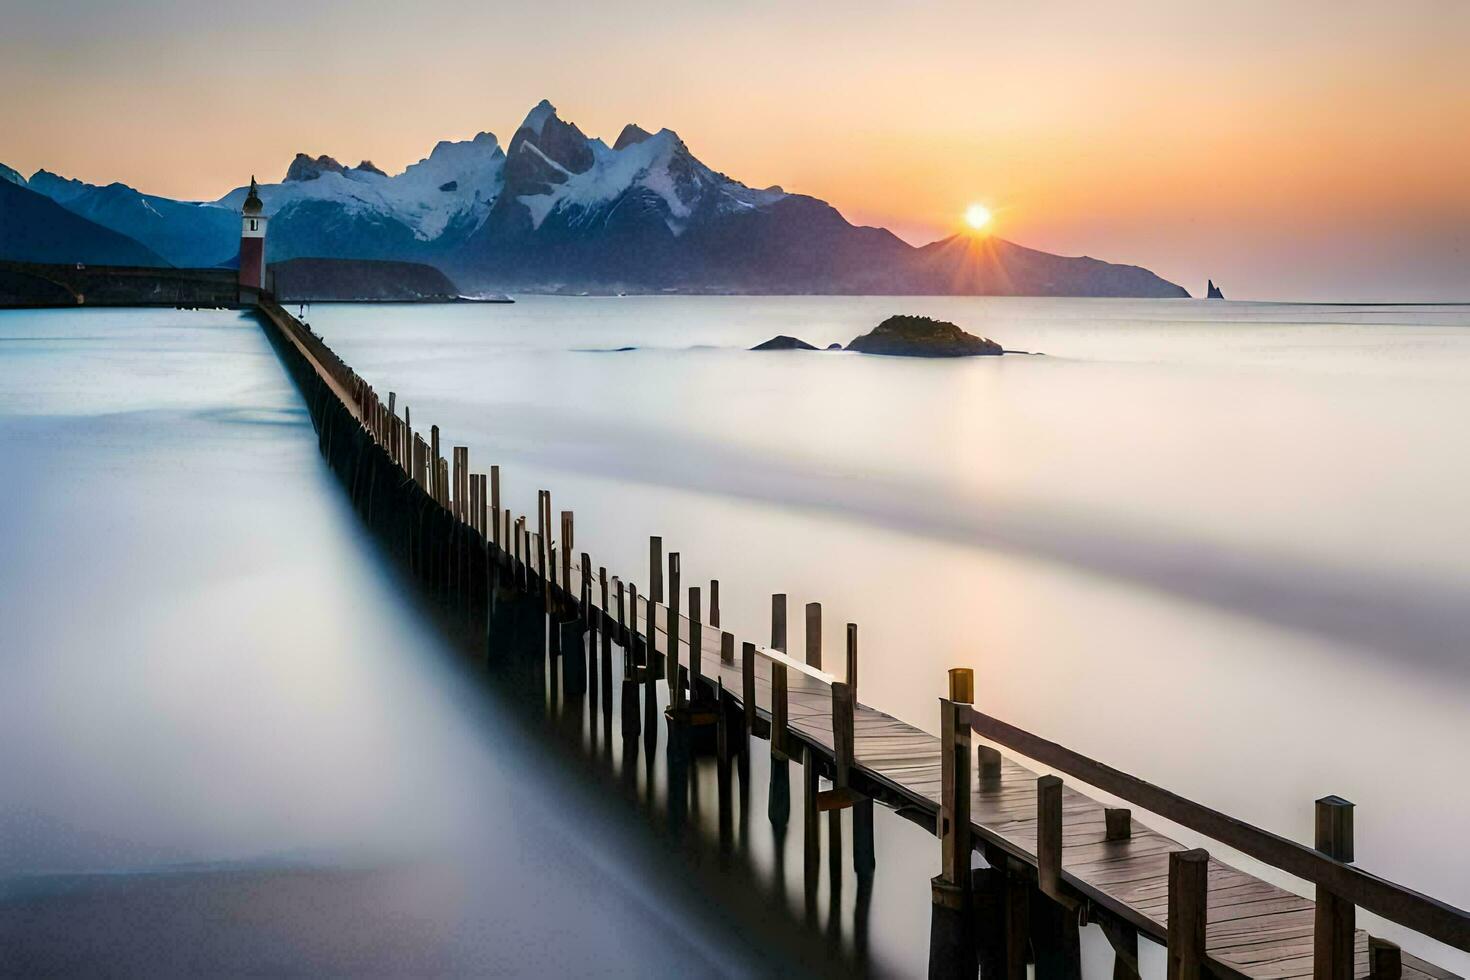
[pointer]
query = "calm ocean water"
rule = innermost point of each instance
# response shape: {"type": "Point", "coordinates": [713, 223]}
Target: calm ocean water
{"type": "Point", "coordinates": [1220, 546]}
{"type": "Point", "coordinates": [228, 743]}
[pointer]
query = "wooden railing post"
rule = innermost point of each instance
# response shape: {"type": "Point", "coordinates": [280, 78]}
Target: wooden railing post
{"type": "Point", "coordinates": [1049, 836]}
{"type": "Point", "coordinates": [727, 648]}
{"type": "Point", "coordinates": [671, 628]}
{"type": "Point", "coordinates": [814, 634]}
{"type": "Point", "coordinates": [747, 684]}
{"type": "Point", "coordinates": [779, 748]}
{"type": "Point", "coordinates": [952, 949]}
{"type": "Point", "coordinates": [566, 551]}
{"type": "Point", "coordinates": [1332, 953]}
{"type": "Point", "coordinates": [989, 761]}
{"type": "Point", "coordinates": [1118, 822]}
{"type": "Point", "coordinates": [655, 569]}
{"type": "Point", "coordinates": [954, 814]}
{"type": "Point", "coordinates": [714, 603]}
{"type": "Point", "coordinates": [852, 663]}
{"type": "Point", "coordinates": [842, 734]}
{"type": "Point", "coordinates": [778, 622]}
{"type": "Point", "coordinates": [696, 643]}
{"type": "Point", "coordinates": [629, 628]}
{"type": "Point", "coordinates": [1385, 962]}
{"type": "Point", "coordinates": [495, 504]}
{"type": "Point", "coordinates": [1188, 913]}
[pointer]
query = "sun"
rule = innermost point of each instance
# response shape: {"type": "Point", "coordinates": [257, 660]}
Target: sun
{"type": "Point", "coordinates": [977, 216]}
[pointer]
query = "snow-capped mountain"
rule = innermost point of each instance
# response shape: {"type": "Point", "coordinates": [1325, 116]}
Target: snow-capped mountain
{"type": "Point", "coordinates": [556, 169]}
{"type": "Point", "coordinates": [559, 210]}
{"type": "Point", "coordinates": [440, 200]}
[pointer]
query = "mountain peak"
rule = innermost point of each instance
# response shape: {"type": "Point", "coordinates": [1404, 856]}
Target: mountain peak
{"type": "Point", "coordinates": [544, 150]}
{"type": "Point", "coordinates": [631, 134]}
{"type": "Point", "coordinates": [367, 166]}
{"type": "Point", "coordinates": [305, 168]}
{"type": "Point", "coordinates": [536, 119]}
{"type": "Point", "coordinates": [11, 176]}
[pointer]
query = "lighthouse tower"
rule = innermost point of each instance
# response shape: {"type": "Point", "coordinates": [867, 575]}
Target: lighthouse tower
{"type": "Point", "coordinates": [252, 240]}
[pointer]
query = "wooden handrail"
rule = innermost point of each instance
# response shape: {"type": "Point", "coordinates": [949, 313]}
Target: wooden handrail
{"type": "Point", "coordinates": [791, 663]}
{"type": "Point", "coordinates": [1417, 911]}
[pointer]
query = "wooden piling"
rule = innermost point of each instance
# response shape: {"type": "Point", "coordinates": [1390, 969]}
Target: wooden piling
{"type": "Point", "coordinates": [650, 669]}
{"type": "Point", "coordinates": [566, 550]}
{"type": "Point", "coordinates": [747, 684]}
{"type": "Point", "coordinates": [952, 950]}
{"type": "Point", "coordinates": [727, 648]}
{"type": "Point", "coordinates": [1049, 836]}
{"type": "Point", "coordinates": [779, 749]}
{"type": "Point", "coordinates": [495, 503]}
{"type": "Point", "coordinates": [714, 603]}
{"type": "Point", "coordinates": [810, 823]}
{"type": "Point", "coordinates": [1188, 913]}
{"type": "Point", "coordinates": [814, 634]}
{"type": "Point", "coordinates": [1332, 948]}
{"type": "Point", "coordinates": [696, 644]}
{"type": "Point", "coordinates": [954, 721]}
{"type": "Point", "coordinates": [671, 629]}
{"type": "Point", "coordinates": [842, 734]}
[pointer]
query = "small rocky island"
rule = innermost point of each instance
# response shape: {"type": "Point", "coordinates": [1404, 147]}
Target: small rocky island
{"type": "Point", "coordinates": [922, 336]}
{"type": "Point", "coordinates": [783, 342]}
{"type": "Point", "coordinates": [903, 336]}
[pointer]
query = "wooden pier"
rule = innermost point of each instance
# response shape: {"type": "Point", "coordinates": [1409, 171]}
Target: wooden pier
{"type": "Point", "coordinates": [1054, 859]}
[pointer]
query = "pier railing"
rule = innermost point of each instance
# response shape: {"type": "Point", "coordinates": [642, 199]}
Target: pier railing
{"type": "Point", "coordinates": [1055, 858]}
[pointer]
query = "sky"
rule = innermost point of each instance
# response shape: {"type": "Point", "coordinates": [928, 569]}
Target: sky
{"type": "Point", "coordinates": [1303, 150]}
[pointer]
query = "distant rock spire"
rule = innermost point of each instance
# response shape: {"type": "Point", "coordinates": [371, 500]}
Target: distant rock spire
{"type": "Point", "coordinates": [1212, 291]}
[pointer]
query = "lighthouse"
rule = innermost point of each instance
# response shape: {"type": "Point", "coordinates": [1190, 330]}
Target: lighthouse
{"type": "Point", "coordinates": [252, 240]}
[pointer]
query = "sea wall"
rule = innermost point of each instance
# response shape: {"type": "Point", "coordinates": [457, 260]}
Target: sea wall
{"type": "Point", "coordinates": [29, 284]}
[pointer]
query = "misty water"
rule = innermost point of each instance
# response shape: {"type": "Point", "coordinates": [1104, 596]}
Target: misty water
{"type": "Point", "coordinates": [1216, 545]}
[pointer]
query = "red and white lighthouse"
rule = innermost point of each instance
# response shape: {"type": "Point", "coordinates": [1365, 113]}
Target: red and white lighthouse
{"type": "Point", "coordinates": [252, 240]}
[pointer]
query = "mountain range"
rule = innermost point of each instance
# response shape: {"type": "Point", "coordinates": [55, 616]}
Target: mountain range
{"type": "Point", "coordinates": [555, 210]}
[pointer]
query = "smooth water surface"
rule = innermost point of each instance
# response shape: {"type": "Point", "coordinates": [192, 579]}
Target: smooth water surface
{"type": "Point", "coordinates": [228, 742]}
{"type": "Point", "coordinates": [1218, 545]}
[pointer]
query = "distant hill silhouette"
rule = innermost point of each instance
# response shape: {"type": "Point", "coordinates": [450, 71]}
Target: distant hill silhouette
{"type": "Point", "coordinates": [34, 228]}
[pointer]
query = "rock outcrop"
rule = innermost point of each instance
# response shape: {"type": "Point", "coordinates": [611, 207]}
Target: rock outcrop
{"type": "Point", "coordinates": [921, 336]}
{"type": "Point", "coordinates": [305, 168]}
{"type": "Point", "coordinates": [784, 342]}
{"type": "Point", "coordinates": [1212, 291]}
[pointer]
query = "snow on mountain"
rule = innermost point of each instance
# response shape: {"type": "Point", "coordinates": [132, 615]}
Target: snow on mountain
{"type": "Point", "coordinates": [453, 187]}
{"type": "Point", "coordinates": [658, 164]}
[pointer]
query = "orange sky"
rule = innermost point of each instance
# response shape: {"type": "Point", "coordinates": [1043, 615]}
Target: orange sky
{"type": "Point", "coordinates": [1299, 150]}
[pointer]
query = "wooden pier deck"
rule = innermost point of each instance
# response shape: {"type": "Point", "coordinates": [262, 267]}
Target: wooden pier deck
{"type": "Point", "coordinates": [1255, 928]}
{"type": "Point", "coordinates": [1091, 861]}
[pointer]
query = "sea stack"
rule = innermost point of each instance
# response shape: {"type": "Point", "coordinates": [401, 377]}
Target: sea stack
{"type": "Point", "coordinates": [1212, 291]}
